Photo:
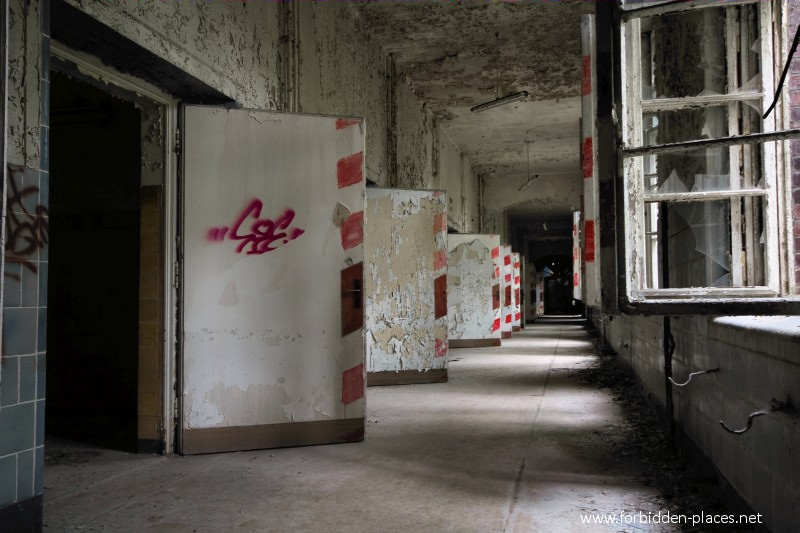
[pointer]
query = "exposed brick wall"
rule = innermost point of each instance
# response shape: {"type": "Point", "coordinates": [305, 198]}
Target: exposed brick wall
{"type": "Point", "coordinates": [794, 95]}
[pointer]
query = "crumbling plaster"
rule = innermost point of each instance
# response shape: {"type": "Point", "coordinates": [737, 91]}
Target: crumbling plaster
{"type": "Point", "coordinates": [456, 54]}
{"type": "Point", "coordinates": [24, 75]}
{"type": "Point", "coordinates": [233, 48]}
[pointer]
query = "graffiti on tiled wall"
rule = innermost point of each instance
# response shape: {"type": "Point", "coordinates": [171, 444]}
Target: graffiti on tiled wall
{"type": "Point", "coordinates": [26, 222]}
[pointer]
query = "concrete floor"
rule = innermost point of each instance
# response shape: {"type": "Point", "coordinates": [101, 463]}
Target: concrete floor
{"type": "Point", "coordinates": [513, 442]}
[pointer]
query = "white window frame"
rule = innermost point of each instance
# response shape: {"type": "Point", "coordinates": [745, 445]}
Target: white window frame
{"type": "Point", "coordinates": [775, 172]}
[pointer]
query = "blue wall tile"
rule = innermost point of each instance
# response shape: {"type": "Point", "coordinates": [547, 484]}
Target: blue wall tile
{"type": "Point", "coordinates": [27, 378]}
{"type": "Point", "coordinates": [9, 381]}
{"type": "Point", "coordinates": [30, 180]}
{"type": "Point", "coordinates": [41, 334]}
{"type": "Point", "coordinates": [12, 289]}
{"type": "Point", "coordinates": [25, 475]}
{"type": "Point", "coordinates": [38, 479]}
{"type": "Point", "coordinates": [30, 288]}
{"type": "Point", "coordinates": [41, 376]}
{"type": "Point", "coordinates": [17, 428]}
{"type": "Point", "coordinates": [19, 330]}
{"type": "Point", "coordinates": [40, 423]}
{"type": "Point", "coordinates": [43, 266]}
{"type": "Point", "coordinates": [8, 479]}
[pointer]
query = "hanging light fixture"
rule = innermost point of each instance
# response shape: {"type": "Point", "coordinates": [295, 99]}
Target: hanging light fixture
{"type": "Point", "coordinates": [499, 100]}
{"type": "Point", "coordinates": [533, 178]}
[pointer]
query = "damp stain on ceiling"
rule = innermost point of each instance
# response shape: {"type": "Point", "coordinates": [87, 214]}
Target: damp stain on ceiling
{"type": "Point", "coordinates": [456, 55]}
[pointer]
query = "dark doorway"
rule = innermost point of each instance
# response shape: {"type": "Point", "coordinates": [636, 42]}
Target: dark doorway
{"type": "Point", "coordinates": [557, 270]}
{"type": "Point", "coordinates": [93, 285]}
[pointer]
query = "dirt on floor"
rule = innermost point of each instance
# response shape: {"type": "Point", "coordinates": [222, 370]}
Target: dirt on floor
{"type": "Point", "coordinates": [642, 439]}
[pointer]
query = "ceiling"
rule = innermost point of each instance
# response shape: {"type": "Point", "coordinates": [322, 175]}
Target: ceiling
{"type": "Point", "coordinates": [454, 54]}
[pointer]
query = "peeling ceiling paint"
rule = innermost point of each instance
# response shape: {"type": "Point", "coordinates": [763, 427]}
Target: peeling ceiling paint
{"type": "Point", "coordinates": [456, 54]}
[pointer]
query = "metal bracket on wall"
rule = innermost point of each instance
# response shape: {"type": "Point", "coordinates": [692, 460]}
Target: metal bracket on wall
{"type": "Point", "coordinates": [693, 374]}
{"type": "Point", "coordinates": [774, 405]}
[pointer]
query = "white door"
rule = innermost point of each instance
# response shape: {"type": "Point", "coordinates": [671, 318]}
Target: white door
{"type": "Point", "coordinates": [272, 320]}
{"type": "Point", "coordinates": [405, 288]}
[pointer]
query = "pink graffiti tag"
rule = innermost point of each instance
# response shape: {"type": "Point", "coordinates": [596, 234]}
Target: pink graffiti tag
{"type": "Point", "coordinates": [264, 232]}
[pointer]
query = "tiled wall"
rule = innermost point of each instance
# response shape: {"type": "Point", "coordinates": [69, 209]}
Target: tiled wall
{"type": "Point", "coordinates": [759, 359]}
{"type": "Point", "coordinates": [22, 376]}
{"type": "Point", "coordinates": [151, 302]}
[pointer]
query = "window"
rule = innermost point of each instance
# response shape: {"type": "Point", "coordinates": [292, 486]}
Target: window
{"type": "Point", "coordinates": [703, 173]}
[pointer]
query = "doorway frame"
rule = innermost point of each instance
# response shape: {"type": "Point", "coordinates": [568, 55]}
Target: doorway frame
{"type": "Point", "coordinates": [93, 67]}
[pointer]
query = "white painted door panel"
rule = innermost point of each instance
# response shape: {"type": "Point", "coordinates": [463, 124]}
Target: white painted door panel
{"type": "Point", "coordinates": [272, 216]}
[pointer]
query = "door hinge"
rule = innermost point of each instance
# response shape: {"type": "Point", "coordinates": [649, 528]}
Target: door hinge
{"type": "Point", "coordinates": [176, 275]}
{"type": "Point", "coordinates": [177, 141]}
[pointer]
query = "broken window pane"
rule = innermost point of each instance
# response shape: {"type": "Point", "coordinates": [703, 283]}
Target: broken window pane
{"type": "Point", "coordinates": [721, 168]}
{"type": "Point", "coordinates": [684, 54]}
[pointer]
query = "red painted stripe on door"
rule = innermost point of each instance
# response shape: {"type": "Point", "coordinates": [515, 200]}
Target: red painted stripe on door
{"type": "Point", "coordinates": [507, 260]}
{"type": "Point", "coordinates": [350, 170]}
{"type": "Point", "coordinates": [439, 222]}
{"type": "Point", "coordinates": [352, 230]}
{"type": "Point", "coordinates": [495, 252]}
{"type": "Point", "coordinates": [440, 348]}
{"type": "Point", "coordinates": [508, 278]}
{"type": "Point", "coordinates": [353, 384]}
{"type": "Point", "coordinates": [587, 156]}
{"type": "Point", "coordinates": [342, 123]}
{"type": "Point", "coordinates": [439, 260]}
{"type": "Point", "coordinates": [586, 81]}
{"type": "Point", "coordinates": [496, 325]}
{"type": "Point", "coordinates": [588, 235]}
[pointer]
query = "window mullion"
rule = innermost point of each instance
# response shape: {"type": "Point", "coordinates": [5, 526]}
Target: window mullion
{"type": "Point", "coordinates": [769, 151]}
{"type": "Point", "coordinates": [734, 152]}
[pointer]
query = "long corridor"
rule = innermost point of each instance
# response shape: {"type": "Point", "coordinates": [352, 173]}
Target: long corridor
{"type": "Point", "coordinates": [513, 442]}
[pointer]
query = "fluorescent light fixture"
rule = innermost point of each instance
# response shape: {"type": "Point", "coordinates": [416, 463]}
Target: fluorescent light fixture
{"type": "Point", "coordinates": [513, 97]}
{"type": "Point", "coordinates": [528, 183]}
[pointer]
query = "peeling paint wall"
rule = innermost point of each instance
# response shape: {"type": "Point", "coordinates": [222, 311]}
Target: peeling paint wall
{"type": "Point", "coordinates": [473, 287]}
{"type": "Point", "coordinates": [231, 48]}
{"type": "Point", "coordinates": [405, 250]}
{"type": "Point", "coordinates": [455, 174]}
{"type": "Point", "coordinates": [415, 140]}
{"type": "Point", "coordinates": [343, 72]}
{"type": "Point", "coordinates": [24, 74]}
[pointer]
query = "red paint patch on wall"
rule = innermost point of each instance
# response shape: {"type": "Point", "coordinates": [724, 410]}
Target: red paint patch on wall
{"type": "Point", "coordinates": [508, 278]}
{"type": "Point", "coordinates": [517, 317]}
{"type": "Point", "coordinates": [507, 260]}
{"type": "Point", "coordinates": [516, 280]}
{"type": "Point", "coordinates": [439, 223]}
{"type": "Point", "coordinates": [587, 157]}
{"type": "Point", "coordinates": [440, 348]}
{"type": "Point", "coordinates": [350, 170]}
{"type": "Point", "coordinates": [575, 279]}
{"type": "Point", "coordinates": [342, 123]}
{"type": "Point", "coordinates": [588, 235]}
{"type": "Point", "coordinates": [440, 296]}
{"type": "Point", "coordinates": [353, 384]}
{"type": "Point", "coordinates": [508, 318]}
{"type": "Point", "coordinates": [439, 260]}
{"type": "Point", "coordinates": [516, 265]}
{"type": "Point", "coordinates": [352, 230]}
{"type": "Point", "coordinates": [586, 81]}
{"type": "Point", "coordinates": [496, 325]}
{"type": "Point", "coordinates": [495, 252]}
